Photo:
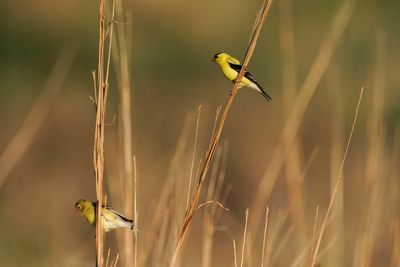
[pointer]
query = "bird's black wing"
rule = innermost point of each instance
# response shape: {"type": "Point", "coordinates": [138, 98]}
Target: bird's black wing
{"type": "Point", "coordinates": [250, 77]}
{"type": "Point", "coordinates": [234, 66]}
{"type": "Point", "coordinates": [247, 74]}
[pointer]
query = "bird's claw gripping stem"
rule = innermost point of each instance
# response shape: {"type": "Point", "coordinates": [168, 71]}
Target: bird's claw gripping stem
{"type": "Point", "coordinates": [232, 92]}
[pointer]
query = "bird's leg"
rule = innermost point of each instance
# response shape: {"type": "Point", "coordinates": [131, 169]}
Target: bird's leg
{"type": "Point", "coordinates": [234, 92]}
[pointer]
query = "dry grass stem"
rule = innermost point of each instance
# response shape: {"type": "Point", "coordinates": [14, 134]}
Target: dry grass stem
{"type": "Point", "coordinates": [122, 70]}
{"type": "Point", "coordinates": [244, 238]}
{"type": "Point", "coordinates": [108, 256]}
{"type": "Point", "coordinates": [339, 179]}
{"type": "Point", "coordinates": [116, 260]}
{"type": "Point", "coordinates": [193, 156]}
{"type": "Point", "coordinates": [211, 202]}
{"type": "Point", "coordinates": [215, 140]}
{"type": "Point", "coordinates": [264, 236]}
{"type": "Point", "coordinates": [212, 212]}
{"type": "Point", "coordinates": [135, 210]}
{"type": "Point", "coordinates": [234, 253]}
{"type": "Point", "coordinates": [98, 148]}
{"type": "Point", "coordinates": [336, 230]}
{"type": "Point", "coordinates": [217, 114]}
{"type": "Point", "coordinates": [314, 231]}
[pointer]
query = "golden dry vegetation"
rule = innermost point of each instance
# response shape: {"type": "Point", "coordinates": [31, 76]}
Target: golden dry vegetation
{"type": "Point", "coordinates": [331, 68]}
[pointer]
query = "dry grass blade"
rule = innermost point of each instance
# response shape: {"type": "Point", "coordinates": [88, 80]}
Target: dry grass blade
{"type": "Point", "coordinates": [98, 147]}
{"type": "Point", "coordinates": [213, 212]}
{"type": "Point", "coordinates": [234, 253]}
{"type": "Point", "coordinates": [121, 57]}
{"type": "Point", "coordinates": [193, 156]}
{"type": "Point", "coordinates": [22, 139]}
{"type": "Point", "coordinates": [339, 179]}
{"type": "Point", "coordinates": [211, 202]}
{"type": "Point", "coordinates": [116, 260]}
{"type": "Point", "coordinates": [314, 231]}
{"type": "Point", "coordinates": [244, 237]}
{"type": "Point", "coordinates": [215, 140]}
{"type": "Point", "coordinates": [264, 236]}
{"type": "Point", "coordinates": [135, 210]}
{"type": "Point", "coordinates": [108, 257]}
{"type": "Point", "coordinates": [336, 229]}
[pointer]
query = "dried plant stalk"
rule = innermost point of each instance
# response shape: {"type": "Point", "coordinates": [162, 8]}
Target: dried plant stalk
{"type": "Point", "coordinates": [121, 56]}
{"type": "Point", "coordinates": [190, 211]}
{"type": "Point", "coordinates": [98, 147]}
{"type": "Point", "coordinates": [338, 181]}
{"type": "Point", "coordinates": [264, 236]}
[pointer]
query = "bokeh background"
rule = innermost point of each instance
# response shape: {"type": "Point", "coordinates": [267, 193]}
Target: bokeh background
{"type": "Point", "coordinates": [171, 45]}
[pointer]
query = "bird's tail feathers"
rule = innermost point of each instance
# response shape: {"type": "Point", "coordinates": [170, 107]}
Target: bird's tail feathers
{"type": "Point", "coordinates": [261, 91]}
{"type": "Point", "coordinates": [135, 228]}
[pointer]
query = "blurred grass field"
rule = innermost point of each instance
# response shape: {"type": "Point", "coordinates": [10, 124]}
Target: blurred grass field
{"type": "Point", "coordinates": [172, 45]}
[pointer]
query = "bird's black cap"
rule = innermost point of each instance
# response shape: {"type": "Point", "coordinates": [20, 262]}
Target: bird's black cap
{"type": "Point", "coordinates": [216, 55]}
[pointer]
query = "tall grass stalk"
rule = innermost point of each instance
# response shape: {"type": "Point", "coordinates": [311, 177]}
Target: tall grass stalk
{"type": "Point", "coordinates": [338, 181]}
{"type": "Point", "coordinates": [212, 213]}
{"type": "Point", "coordinates": [234, 253]}
{"type": "Point", "coordinates": [244, 237]}
{"type": "Point", "coordinates": [193, 156]}
{"type": "Point", "coordinates": [215, 140]}
{"type": "Point", "coordinates": [121, 57]}
{"type": "Point", "coordinates": [336, 229]}
{"type": "Point", "coordinates": [101, 89]}
{"type": "Point", "coordinates": [264, 236]}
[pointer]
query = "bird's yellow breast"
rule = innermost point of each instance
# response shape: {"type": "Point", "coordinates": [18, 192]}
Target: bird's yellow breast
{"type": "Point", "coordinates": [229, 73]}
{"type": "Point", "coordinates": [232, 74]}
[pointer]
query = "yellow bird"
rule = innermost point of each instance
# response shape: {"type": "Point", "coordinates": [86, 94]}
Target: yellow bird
{"type": "Point", "coordinates": [111, 219]}
{"type": "Point", "coordinates": [230, 66]}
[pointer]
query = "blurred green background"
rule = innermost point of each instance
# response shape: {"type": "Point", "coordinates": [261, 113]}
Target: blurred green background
{"type": "Point", "coordinates": [172, 44]}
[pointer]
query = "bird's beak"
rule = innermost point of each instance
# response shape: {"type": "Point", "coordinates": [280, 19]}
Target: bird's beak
{"type": "Point", "coordinates": [213, 59]}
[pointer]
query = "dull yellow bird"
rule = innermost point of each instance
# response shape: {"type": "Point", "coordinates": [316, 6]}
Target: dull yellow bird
{"type": "Point", "coordinates": [231, 67]}
{"type": "Point", "coordinates": [110, 219]}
